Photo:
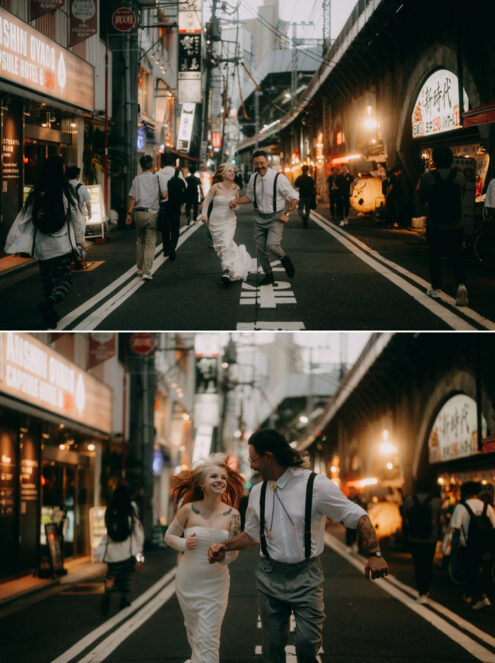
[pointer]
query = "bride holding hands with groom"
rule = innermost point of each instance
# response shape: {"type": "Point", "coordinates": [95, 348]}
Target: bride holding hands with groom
{"type": "Point", "coordinates": [286, 515]}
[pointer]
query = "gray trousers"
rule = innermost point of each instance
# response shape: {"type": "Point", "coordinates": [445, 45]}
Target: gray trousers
{"type": "Point", "coordinates": [268, 237]}
{"type": "Point", "coordinates": [145, 240]}
{"type": "Point", "coordinates": [285, 588]}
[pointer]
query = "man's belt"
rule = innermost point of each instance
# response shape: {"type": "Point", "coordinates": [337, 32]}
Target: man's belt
{"type": "Point", "coordinates": [144, 209]}
{"type": "Point", "coordinates": [267, 215]}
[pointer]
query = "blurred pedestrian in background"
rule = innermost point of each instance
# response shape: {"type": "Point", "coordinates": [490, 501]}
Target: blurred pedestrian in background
{"type": "Point", "coordinates": [471, 523]}
{"type": "Point", "coordinates": [306, 186]}
{"type": "Point", "coordinates": [122, 547]}
{"type": "Point", "coordinates": [422, 528]}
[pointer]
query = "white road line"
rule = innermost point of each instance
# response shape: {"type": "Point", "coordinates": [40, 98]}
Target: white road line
{"type": "Point", "coordinates": [110, 305]}
{"type": "Point", "coordinates": [91, 637]}
{"type": "Point", "coordinates": [115, 639]}
{"type": "Point", "coordinates": [114, 285]}
{"type": "Point", "coordinates": [391, 586]}
{"type": "Point", "coordinates": [378, 263]}
{"type": "Point", "coordinates": [270, 326]}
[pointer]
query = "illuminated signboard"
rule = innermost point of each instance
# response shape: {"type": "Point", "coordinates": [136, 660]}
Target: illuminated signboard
{"type": "Point", "coordinates": [189, 52]}
{"type": "Point", "coordinates": [31, 60]}
{"type": "Point", "coordinates": [186, 127]}
{"type": "Point", "coordinates": [32, 372]}
{"type": "Point", "coordinates": [454, 433]}
{"type": "Point", "coordinates": [437, 107]}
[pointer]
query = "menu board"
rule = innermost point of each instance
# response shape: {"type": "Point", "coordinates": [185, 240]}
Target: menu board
{"type": "Point", "coordinates": [7, 474]}
{"type": "Point", "coordinates": [97, 210]}
{"type": "Point", "coordinates": [54, 547]}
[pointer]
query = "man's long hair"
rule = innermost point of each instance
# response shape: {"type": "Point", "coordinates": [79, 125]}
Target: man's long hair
{"type": "Point", "coordinates": [271, 440]}
{"type": "Point", "coordinates": [187, 486]}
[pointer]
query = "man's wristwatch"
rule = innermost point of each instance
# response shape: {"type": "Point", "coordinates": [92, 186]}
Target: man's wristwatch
{"type": "Point", "coordinates": [377, 553]}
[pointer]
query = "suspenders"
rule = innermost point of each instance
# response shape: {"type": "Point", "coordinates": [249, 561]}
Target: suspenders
{"type": "Point", "coordinates": [255, 203]}
{"type": "Point", "coordinates": [307, 517]}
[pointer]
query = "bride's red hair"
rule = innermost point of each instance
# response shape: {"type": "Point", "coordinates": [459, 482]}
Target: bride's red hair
{"type": "Point", "coordinates": [186, 486]}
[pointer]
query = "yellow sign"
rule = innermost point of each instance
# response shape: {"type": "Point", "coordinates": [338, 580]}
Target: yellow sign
{"type": "Point", "coordinates": [31, 60]}
{"type": "Point", "coordinates": [32, 372]}
{"type": "Point", "coordinates": [97, 211]}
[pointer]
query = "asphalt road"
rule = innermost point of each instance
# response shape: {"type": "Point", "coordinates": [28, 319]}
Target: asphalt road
{"type": "Point", "coordinates": [361, 277]}
{"type": "Point", "coordinates": [367, 622]}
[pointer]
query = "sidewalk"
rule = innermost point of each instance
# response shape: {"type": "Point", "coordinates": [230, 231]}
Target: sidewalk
{"type": "Point", "coordinates": [77, 570]}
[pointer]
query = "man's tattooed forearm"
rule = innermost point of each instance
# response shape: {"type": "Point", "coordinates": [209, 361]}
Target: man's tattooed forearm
{"type": "Point", "coordinates": [226, 513]}
{"type": "Point", "coordinates": [237, 524]}
{"type": "Point", "coordinates": [367, 532]}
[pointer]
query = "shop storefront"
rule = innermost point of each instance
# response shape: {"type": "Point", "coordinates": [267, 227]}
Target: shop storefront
{"type": "Point", "coordinates": [455, 450]}
{"type": "Point", "coordinates": [53, 417]}
{"type": "Point", "coordinates": [45, 93]}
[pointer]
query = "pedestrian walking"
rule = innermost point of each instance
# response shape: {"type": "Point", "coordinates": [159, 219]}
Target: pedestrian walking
{"type": "Point", "coordinates": [122, 546]}
{"type": "Point", "coordinates": [396, 199]}
{"type": "Point", "coordinates": [144, 202]}
{"type": "Point", "coordinates": [270, 192]}
{"type": "Point", "coordinates": [50, 227]}
{"type": "Point", "coordinates": [306, 186]}
{"type": "Point", "coordinates": [286, 515]}
{"type": "Point", "coordinates": [221, 218]}
{"type": "Point", "coordinates": [173, 195]}
{"type": "Point", "coordinates": [208, 495]}
{"type": "Point", "coordinates": [442, 190]}
{"type": "Point", "coordinates": [333, 192]}
{"type": "Point", "coordinates": [193, 196]}
{"type": "Point", "coordinates": [343, 181]}
{"type": "Point", "coordinates": [472, 524]}
{"type": "Point", "coordinates": [422, 529]}
{"type": "Point", "coordinates": [74, 177]}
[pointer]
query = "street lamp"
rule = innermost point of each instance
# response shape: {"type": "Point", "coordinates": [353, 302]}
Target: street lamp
{"type": "Point", "coordinates": [303, 419]}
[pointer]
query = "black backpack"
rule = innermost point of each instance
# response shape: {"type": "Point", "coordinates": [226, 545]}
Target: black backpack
{"type": "Point", "coordinates": [444, 200]}
{"type": "Point", "coordinates": [176, 189]}
{"type": "Point", "coordinates": [480, 534]}
{"type": "Point", "coordinates": [48, 214]}
{"type": "Point", "coordinates": [419, 519]}
{"type": "Point", "coordinates": [118, 526]}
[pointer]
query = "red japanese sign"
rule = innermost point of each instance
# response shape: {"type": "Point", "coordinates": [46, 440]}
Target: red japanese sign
{"type": "Point", "coordinates": [142, 343]}
{"type": "Point", "coordinates": [83, 22]}
{"type": "Point", "coordinates": [216, 139]}
{"type": "Point", "coordinates": [124, 19]}
{"type": "Point", "coordinates": [41, 7]}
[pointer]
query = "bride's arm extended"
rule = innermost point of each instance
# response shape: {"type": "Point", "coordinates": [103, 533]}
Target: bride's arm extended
{"type": "Point", "coordinates": [235, 528]}
{"type": "Point", "coordinates": [206, 203]}
{"type": "Point", "coordinates": [173, 537]}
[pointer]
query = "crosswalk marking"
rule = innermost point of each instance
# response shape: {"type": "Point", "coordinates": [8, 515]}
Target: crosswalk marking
{"type": "Point", "coordinates": [290, 650]}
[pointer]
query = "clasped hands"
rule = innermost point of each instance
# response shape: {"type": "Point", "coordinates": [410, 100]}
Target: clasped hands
{"type": "Point", "coordinates": [216, 552]}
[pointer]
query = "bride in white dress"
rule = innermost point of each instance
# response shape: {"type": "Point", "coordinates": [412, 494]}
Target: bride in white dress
{"type": "Point", "coordinates": [207, 515]}
{"type": "Point", "coordinates": [235, 259]}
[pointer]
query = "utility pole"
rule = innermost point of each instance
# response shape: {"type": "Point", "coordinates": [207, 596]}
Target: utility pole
{"type": "Point", "coordinates": [209, 66]}
{"type": "Point", "coordinates": [327, 24]}
{"type": "Point", "coordinates": [293, 78]}
{"type": "Point", "coordinates": [257, 95]}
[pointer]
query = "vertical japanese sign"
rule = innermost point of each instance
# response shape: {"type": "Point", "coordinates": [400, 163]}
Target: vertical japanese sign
{"type": "Point", "coordinates": [83, 21]}
{"type": "Point", "coordinates": [41, 7]}
{"type": "Point", "coordinates": [186, 127]}
{"type": "Point", "coordinates": [189, 56]}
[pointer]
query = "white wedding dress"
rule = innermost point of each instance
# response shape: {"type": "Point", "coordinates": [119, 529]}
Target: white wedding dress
{"type": "Point", "coordinates": [203, 591]}
{"type": "Point", "coordinates": [235, 259]}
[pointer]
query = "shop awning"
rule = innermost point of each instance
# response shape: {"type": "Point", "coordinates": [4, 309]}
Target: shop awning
{"type": "Point", "coordinates": [484, 114]}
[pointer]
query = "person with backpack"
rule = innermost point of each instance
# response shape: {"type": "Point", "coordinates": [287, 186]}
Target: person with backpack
{"type": "Point", "coordinates": [193, 196]}
{"type": "Point", "coordinates": [50, 227]}
{"type": "Point", "coordinates": [173, 195]}
{"type": "Point", "coordinates": [422, 528]}
{"type": "Point", "coordinates": [274, 199]}
{"type": "Point", "coordinates": [122, 546]}
{"type": "Point", "coordinates": [144, 197]}
{"type": "Point", "coordinates": [442, 190]}
{"type": "Point", "coordinates": [306, 186]}
{"type": "Point", "coordinates": [286, 515]}
{"type": "Point", "coordinates": [74, 176]}
{"type": "Point", "coordinates": [473, 525]}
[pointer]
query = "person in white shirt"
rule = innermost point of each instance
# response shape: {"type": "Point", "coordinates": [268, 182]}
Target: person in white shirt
{"type": "Point", "coordinates": [286, 514]}
{"type": "Point", "coordinates": [274, 200]}
{"type": "Point", "coordinates": [169, 216]}
{"type": "Point", "coordinates": [74, 176]}
{"type": "Point", "coordinates": [476, 583]}
{"type": "Point", "coordinates": [144, 201]}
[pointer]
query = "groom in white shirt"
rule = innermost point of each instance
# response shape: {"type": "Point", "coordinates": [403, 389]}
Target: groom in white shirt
{"type": "Point", "coordinates": [286, 514]}
{"type": "Point", "coordinates": [274, 200]}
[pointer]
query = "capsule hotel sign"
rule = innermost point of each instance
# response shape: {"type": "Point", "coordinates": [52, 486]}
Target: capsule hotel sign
{"type": "Point", "coordinates": [33, 373]}
{"type": "Point", "coordinates": [31, 60]}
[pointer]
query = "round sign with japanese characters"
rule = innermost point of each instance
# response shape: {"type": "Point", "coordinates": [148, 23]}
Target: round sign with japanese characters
{"type": "Point", "coordinates": [124, 19]}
